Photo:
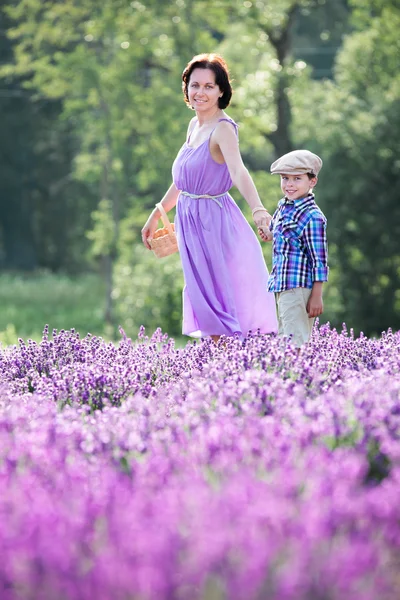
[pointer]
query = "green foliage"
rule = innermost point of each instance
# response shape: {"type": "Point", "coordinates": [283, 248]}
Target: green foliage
{"type": "Point", "coordinates": [102, 233]}
{"type": "Point", "coordinates": [363, 11]}
{"type": "Point", "coordinates": [100, 117]}
{"type": "Point", "coordinates": [9, 336]}
{"type": "Point", "coordinates": [29, 302]}
{"type": "Point", "coordinates": [148, 291]}
{"type": "Point", "coordinates": [355, 124]}
{"type": "Point", "coordinates": [318, 32]}
{"type": "Point", "coordinates": [40, 204]}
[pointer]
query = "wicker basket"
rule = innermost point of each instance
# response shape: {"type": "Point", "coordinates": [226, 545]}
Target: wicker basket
{"type": "Point", "coordinates": [164, 241]}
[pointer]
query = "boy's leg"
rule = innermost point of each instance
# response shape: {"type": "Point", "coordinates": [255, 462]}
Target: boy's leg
{"type": "Point", "coordinates": [292, 315]}
{"type": "Point", "coordinates": [280, 322]}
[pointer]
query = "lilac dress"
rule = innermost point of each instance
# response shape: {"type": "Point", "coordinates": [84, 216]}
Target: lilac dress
{"type": "Point", "coordinates": [224, 270]}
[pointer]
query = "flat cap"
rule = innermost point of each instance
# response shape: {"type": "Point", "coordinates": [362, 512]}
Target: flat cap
{"type": "Point", "coordinates": [297, 163]}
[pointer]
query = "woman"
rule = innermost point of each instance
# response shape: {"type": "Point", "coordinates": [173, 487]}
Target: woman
{"type": "Point", "coordinates": [224, 270]}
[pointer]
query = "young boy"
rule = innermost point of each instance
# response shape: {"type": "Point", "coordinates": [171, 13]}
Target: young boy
{"type": "Point", "coordinates": [300, 254]}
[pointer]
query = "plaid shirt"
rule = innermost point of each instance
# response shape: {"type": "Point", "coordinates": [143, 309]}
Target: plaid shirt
{"type": "Point", "coordinates": [300, 252]}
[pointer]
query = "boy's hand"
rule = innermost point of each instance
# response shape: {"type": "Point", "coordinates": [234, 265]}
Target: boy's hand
{"type": "Point", "coordinates": [265, 234]}
{"type": "Point", "coordinates": [315, 305]}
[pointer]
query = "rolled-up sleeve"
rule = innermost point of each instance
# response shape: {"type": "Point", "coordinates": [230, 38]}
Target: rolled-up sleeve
{"type": "Point", "coordinates": [314, 236]}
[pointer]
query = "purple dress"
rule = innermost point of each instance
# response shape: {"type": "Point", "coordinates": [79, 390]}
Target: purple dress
{"type": "Point", "coordinates": [224, 270]}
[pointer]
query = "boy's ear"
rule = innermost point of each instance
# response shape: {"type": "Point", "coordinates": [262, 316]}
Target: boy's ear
{"type": "Point", "coordinates": [313, 181]}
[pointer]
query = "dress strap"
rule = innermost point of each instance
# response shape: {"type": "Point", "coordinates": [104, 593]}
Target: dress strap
{"type": "Point", "coordinates": [232, 123]}
{"type": "Point", "coordinates": [190, 133]}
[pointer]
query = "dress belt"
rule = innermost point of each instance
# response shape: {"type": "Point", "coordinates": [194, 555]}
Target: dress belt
{"type": "Point", "coordinates": [215, 198]}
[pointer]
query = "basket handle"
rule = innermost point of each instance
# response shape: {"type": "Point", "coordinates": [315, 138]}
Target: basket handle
{"type": "Point", "coordinates": [164, 218]}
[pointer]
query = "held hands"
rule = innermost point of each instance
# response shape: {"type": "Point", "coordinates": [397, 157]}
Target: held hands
{"type": "Point", "coordinates": [262, 219]}
{"type": "Point", "coordinates": [265, 234]}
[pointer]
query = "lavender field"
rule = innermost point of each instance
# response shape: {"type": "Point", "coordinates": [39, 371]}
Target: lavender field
{"type": "Point", "coordinates": [243, 471]}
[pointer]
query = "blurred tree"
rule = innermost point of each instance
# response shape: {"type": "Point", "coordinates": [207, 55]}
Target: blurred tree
{"type": "Point", "coordinates": [17, 244]}
{"type": "Point", "coordinates": [113, 71]}
{"type": "Point", "coordinates": [110, 65]}
{"type": "Point", "coordinates": [355, 124]}
{"type": "Point", "coordinates": [39, 202]}
{"type": "Point", "coordinates": [318, 33]}
{"type": "Point", "coordinates": [268, 27]}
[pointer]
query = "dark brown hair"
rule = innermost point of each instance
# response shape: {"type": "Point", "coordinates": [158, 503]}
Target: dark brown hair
{"type": "Point", "coordinates": [215, 63]}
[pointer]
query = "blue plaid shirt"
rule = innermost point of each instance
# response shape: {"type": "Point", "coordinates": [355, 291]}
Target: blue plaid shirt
{"type": "Point", "coordinates": [300, 252]}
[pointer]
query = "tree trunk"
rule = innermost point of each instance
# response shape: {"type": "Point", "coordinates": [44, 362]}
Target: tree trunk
{"type": "Point", "coordinates": [282, 41]}
{"type": "Point", "coordinates": [17, 245]}
{"type": "Point", "coordinates": [108, 191]}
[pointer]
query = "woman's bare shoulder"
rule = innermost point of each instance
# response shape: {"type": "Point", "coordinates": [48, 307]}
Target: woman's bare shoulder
{"type": "Point", "coordinates": [226, 128]}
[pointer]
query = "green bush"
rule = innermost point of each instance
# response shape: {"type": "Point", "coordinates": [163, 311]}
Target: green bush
{"type": "Point", "coordinates": [148, 291]}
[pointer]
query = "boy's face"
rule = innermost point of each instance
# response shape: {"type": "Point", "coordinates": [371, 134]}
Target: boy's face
{"type": "Point", "coordinates": [296, 186]}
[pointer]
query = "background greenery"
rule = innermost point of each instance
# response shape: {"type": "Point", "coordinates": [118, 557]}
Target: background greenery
{"type": "Point", "coordinates": [92, 116]}
{"type": "Point", "coordinates": [29, 301]}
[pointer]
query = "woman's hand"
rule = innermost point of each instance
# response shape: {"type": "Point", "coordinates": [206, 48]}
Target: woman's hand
{"type": "Point", "coordinates": [168, 202]}
{"type": "Point", "coordinates": [262, 219]}
{"type": "Point", "coordinates": [149, 229]}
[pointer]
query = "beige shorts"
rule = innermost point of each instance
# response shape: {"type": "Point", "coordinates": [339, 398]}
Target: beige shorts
{"type": "Point", "coordinates": [292, 314]}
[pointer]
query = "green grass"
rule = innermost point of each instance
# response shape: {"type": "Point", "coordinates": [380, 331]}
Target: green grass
{"type": "Point", "coordinates": [29, 302]}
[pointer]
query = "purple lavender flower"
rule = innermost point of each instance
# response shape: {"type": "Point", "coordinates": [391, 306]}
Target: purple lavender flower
{"type": "Point", "coordinates": [240, 471]}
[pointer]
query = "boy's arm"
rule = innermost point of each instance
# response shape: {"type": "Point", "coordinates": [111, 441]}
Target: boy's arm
{"type": "Point", "coordinates": [315, 304]}
{"type": "Point", "coordinates": [317, 248]}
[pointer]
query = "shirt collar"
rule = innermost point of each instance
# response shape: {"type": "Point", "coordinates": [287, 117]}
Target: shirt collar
{"type": "Point", "coordinates": [299, 201]}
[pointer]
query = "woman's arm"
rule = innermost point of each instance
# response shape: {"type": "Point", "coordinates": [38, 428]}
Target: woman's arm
{"type": "Point", "coordinates": [228, 143]}
{"type": "Point", "coordinates": [168, 202]}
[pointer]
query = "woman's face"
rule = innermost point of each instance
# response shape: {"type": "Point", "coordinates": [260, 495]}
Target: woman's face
{"type": "Point", "coordinates": [203, 92]}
